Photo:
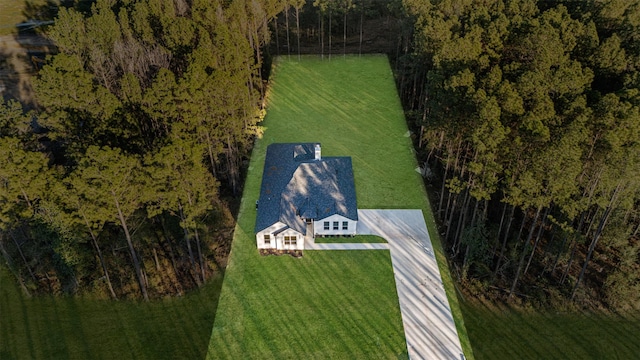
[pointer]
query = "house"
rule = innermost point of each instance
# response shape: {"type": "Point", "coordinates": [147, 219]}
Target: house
{"type": "Point", "coordinates": [304, 195]}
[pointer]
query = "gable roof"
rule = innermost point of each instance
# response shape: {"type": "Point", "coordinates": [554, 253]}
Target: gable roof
{"type": "Point", "coordinates": [296, 186]}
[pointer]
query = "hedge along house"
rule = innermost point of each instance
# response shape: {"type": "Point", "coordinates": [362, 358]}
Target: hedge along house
{"type": "Point", "coordinates": [304, 195]}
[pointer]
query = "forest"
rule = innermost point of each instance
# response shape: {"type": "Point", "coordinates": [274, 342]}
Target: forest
{"type": "Point", "coordinates": [529, 124]}
{"type": "Point", "coordinates": [118, 184]}
{"type": "Point", "coordinates": [526, 120]}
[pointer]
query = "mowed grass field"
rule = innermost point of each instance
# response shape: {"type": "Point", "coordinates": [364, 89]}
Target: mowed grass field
{"type": "Point", "coordinates": [505, 333]}
{"type": "Point", "coordinates": [327, 304]}
{"type": "Point", "coordinates": [68, 328]}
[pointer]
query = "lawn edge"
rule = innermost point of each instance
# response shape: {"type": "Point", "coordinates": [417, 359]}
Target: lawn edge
{"type": "Point", "coordinates": [449, 284]}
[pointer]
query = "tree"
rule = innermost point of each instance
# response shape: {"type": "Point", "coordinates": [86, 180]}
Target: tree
{"type": "Point", "coordinates": [176, 82]}
{"type": "Point", "coordinates": [111, 182]}
{"type": "Point", "coordinates": [297, 5]}
{"type": "Point", "coordinates": [345, 7]}
{"type": "Point", "coordinates": [184, 187]}
{"type": "Point", "coordinates": [517, 103]}
{"type": "Point", "coordinates": [13, 121]}
{"type": "Point", "coordinates": [23, 176]}
{"type": "Point", "coordinates": [323, 6]}
{"type": "Point", "coordinates": [88, 218]}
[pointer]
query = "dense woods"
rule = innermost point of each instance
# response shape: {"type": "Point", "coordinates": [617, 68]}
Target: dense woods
{"type": "Point", "coordinates": [146, 114]}
{"type": "Point", "coordinates": [529, 121]}
{"type": "Point", "coordinates": [526, 115]}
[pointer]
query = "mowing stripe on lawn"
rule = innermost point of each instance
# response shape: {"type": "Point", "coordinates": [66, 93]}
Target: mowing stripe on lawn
{"type": "Point", "coordinates": [65, 327]}
{"type": "Point", "coordinates": [337, 304]}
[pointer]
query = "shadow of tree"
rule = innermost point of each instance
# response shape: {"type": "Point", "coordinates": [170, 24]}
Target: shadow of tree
{"type": "Point", "coordinates": [24, 53]}
{"type": "Point", "coordinates": [503, 331]}
{"type": "Point", "coordinates": [9, 78]}
{"type": "Point", "coordinates": [41, 11]}
{"type": "Point", "coordinates": [37, 11]}
{"type": "Point", "coordinates": [21, 56]}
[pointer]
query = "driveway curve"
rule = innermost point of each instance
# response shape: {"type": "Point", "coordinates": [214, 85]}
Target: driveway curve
{"type": "Point", "coordinates": [426, 316]}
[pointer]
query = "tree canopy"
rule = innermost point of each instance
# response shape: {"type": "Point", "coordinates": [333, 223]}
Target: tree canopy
{"type": "Point", "coordinates": [530, 110]}
{"type": "Point", "coordinates": [146, 111]}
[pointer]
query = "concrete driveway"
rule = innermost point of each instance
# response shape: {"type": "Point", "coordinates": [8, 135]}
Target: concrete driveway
{"type": "Point", "coordinates": [426, 315]}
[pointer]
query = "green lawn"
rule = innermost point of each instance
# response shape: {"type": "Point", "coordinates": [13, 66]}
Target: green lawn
{"type": "Point", "coordinates": [363, 239]}
{"type": "Point", "coordinates": [68, 328]}
{"type": "Point", "coordinates": [10, 15]}
{"type": "Point", "coordinates": [504, 333]}
{"type": "Point", "coordinates": [340, 305]}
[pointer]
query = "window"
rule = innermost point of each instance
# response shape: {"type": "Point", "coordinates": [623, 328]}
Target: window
{"type": "Point", "coordinates": [326, 225]}
{"type": "Point", "coordinates": [335, 225]}
{"type": "Point", "coordinates": [267, 239]}
{"type": "Point", "coordinates": [290, 240]}
{"type": "Point", "coordinates": [345, 225]}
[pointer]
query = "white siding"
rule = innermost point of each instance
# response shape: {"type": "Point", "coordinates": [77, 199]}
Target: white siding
{"type": "Point", "coordinates": [299, 240]}
{"type": "Point", "coordinates": [278, 241]}
{"type": "Point", "coordinates": [319, 226]}
{"type": "Point", "coordinates": [269, 231]}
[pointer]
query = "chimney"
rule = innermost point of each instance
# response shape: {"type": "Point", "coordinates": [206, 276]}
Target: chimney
{"type": "Point", "coordinates": [318, 151]}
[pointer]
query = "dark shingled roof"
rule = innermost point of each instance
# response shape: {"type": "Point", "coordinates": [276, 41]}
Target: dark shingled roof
{"type": "Point", "coordinates": [296, 186]}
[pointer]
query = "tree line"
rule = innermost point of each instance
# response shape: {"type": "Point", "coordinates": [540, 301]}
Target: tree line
{"type": "Point", "coordinates": [335, 27]}
{"type": "Point", "coordinates": [528, 115]}
{"type": "Point", "coordinates": [145, 114]}
{"type": "Point", "coordinates": [145, 117]}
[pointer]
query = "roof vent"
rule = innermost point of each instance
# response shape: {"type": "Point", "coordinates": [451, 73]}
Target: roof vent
{"type": "Point", "coordinates": [318, 153]}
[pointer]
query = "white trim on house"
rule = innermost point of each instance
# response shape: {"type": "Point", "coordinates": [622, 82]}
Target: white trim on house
{"type": "Point", "coordinates": [338, 225]}
{"type": "Point", "coordinates": [280, 237]}
{"type": "Point", "coordinates": [290, 240]}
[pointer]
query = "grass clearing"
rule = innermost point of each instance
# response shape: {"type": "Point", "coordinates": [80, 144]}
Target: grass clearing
{"type": "Point", "coordinates": [11, 14]}
{"type": "Point", "coordinates": [281, 307]}
{"type": "Point", "coordinates": [358, 239]}
{"type": "Point", "coordinates": [505, 333]}
{"type": "Point", "coordinates": [68, 328]}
